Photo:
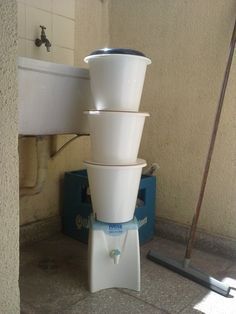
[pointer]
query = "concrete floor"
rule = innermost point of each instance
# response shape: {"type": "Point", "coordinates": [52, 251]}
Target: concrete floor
{"type": "Point", "coordinates": [53, 279]}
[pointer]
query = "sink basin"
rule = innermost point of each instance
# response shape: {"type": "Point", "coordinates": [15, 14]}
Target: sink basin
{"type": "Point", "coordinates": [52, 98]}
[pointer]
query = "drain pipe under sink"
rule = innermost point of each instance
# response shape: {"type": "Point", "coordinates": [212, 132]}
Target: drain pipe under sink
{"type": "Point", "coordinates": [42, 147]}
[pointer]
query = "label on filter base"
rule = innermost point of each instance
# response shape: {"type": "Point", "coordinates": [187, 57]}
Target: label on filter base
{"type": "Point", "coordinates": [115, 228]}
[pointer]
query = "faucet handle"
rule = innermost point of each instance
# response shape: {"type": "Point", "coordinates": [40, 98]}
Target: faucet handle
{"type": "Point", "coordinates": [43, 35]}
{"type": "Point", "coordinates": [115, 254]}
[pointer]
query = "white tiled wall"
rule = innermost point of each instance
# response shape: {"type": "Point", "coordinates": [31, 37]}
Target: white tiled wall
{"type": "Point", "coordinates": [58, 16]}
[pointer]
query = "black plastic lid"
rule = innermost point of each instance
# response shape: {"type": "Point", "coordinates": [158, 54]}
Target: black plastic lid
{"type": "Point", "coordinates": [119, 51]}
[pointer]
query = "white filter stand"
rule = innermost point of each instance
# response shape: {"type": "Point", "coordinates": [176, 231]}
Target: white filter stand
{"type": "Point", "coordinates": [114, 257]}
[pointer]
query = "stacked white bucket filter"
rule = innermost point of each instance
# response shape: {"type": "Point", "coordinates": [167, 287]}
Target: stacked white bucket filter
{"type": "Point", "coordinates": [117, 77]}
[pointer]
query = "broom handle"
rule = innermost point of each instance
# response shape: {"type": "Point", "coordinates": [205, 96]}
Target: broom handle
{"type": "Point", "coordinates": [193, 228]}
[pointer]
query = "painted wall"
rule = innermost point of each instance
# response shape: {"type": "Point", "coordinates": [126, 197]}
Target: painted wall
{"type": "Point", "coordinates": [188, 44]}
{"type": "Point", "coordinates": [9, 207]}
{"type": "Point", "coordinates": [92, 27]}
{"type": "Point", "coordinates": [69, 29]}
{"type": "Point", "coordinates": [59, 19]}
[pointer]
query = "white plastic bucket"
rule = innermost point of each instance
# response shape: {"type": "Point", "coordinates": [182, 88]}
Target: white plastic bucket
{"type": "Point", "coordinates": [117, 80]}
{"type": "Point", "coordinates": [114, 190]}
{"type": "Point", "coordinates": [115, 136]}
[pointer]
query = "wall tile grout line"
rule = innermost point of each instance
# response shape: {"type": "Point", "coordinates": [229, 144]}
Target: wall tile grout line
{"type": "Point", "coordinates": [44, 10]}
{"type": "Point", "coordinates": [48, 11]}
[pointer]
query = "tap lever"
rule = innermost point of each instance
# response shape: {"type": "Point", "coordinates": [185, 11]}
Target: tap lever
{"type": "Point", "coordinates": [43, 35]}
{"type": "Point", "coordinates": [115, 254]}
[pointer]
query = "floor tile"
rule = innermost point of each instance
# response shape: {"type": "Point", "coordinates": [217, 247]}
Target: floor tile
{"type": "Point", "coordinates": [213, 303]}
{"type": "Point", "coordinates": [54, 279]}
{"type": "Point", "coordinates": [112, 301]}
{"type": "Point", "coordinates": [59, 246]}
{"type": "Point", "coordinates": [165, 288]}
{"type": "Point", "coordinates": [180, 291]}
{"type": "Point", "coordinates": [53, 274]}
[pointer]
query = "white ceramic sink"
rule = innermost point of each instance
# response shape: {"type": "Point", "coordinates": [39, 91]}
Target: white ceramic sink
{"type": "Point", "coordinates": [52, 98]}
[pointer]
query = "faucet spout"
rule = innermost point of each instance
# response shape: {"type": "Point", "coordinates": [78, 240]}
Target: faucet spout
{"type": "Point", "coordinates": [115, 254]}
{"type": "Point", "coordinates": [47, 45]}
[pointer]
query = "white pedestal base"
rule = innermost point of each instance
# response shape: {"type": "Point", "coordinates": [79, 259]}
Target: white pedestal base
{"type": "Point", "coordinates": [114, 257]}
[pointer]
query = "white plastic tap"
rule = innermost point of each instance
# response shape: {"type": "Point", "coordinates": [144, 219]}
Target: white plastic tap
{"type": "Point", "coordinates": [115, 254]}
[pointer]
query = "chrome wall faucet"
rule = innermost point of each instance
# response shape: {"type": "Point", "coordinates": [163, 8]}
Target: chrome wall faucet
{"type": "Point", "coordinates": [43, 40]}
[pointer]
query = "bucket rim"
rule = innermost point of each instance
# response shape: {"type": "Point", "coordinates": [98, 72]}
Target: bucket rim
{"type": "Point", "coordinates": [140, 163]}
{"type": "Point", "coordinates": [92, 57]}
{"type": "Point", "coordinates": [115, 112]}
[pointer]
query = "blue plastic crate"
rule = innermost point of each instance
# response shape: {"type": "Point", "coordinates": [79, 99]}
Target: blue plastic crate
{"type": "Point", "coordinates": [77, 206]}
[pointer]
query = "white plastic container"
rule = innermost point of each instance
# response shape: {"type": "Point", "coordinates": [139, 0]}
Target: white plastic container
{"type": "Point", "coordinates": [117, 79]}
{"type": "Point", "coordinates": [115, 136]}
{"type": "Point", "coordinates": [114, 190]}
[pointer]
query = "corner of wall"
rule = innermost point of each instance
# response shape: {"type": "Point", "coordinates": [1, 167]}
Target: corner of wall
{"type": "Point", "coordinates": [9, 186]}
